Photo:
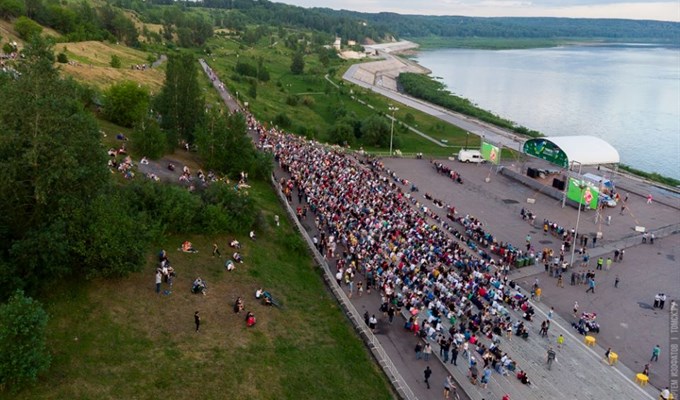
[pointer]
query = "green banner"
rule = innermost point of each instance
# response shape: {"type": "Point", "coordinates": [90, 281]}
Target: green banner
{"type": "Point", "coordinates": [491, 153]}
{"type": "Point", "coordinates": [546, 150]}
{"type": "Point", "coordinates": [583, 192]}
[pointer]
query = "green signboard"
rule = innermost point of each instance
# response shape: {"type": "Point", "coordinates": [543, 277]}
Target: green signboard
{"type": "Point", "coordinates": [583, 192]}
{"type": "Point", "coordinates": [491, 153]}
{"type": "Point", "coordinates": [546, 150]}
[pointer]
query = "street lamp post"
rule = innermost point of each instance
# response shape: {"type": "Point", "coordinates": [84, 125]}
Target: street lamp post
{"type": "Point", "coordinates": [581, 186]}
{"type": "Point", "coordinates": [393, 109]}
{"type": "Point", "coordinates": [467, 136]}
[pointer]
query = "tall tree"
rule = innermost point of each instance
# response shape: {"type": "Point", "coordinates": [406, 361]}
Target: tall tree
{"type": "Point", "coordinates": [125, 103]}
{"type": "Point", "coordinates": [223, 143]}
{"type": "Point", "coordinates": [297, 65]}
{"type": "Point", "coordinates": [180, 101]}
{"type": "Point", "coordinates": [51, 164]}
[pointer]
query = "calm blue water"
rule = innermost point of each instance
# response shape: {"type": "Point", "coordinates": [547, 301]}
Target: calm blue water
{"type": "Point", "coordinates": [627, 95]}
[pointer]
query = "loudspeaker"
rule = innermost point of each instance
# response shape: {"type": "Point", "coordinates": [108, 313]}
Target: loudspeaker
{"type": "Point", "coordinates": [558, 184]}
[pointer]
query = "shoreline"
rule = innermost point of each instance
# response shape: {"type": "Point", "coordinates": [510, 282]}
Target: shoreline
{"type": "Point", "coordinates": [381, 79]}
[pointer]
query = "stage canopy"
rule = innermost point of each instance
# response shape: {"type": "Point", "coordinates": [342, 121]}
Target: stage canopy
{"type": "Point", "coordinates": [567, 150]}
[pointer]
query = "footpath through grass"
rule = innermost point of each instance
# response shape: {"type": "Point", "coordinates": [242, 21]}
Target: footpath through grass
{"type": "Point", "coordinates": [121, 340]}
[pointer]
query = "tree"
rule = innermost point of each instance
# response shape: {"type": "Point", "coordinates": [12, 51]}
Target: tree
{"type": "Point", "coordinates": [27, 28]}
{"type": "Point", "coordinates": [375, 131]}
{"type": "Point", "coordinates": [125, 103]}
{"type": "Point", "coordinates": [180, 101]}
{"type": "Point", "coordinates": [223, 143]}
{"type": "Point", "coordinates": [148, 139]}
{"type": "Point", "coordinates": [23, 349]}
{"type": "Point", "coordinates": [11, 9]}
{"type": "Point", "coordinates": [297, 65]}
{"type": "Point", "coordinates": [62, 58]}
{"type": "Point", "coordinates": [341, 133]}
{"type": "Point", "coordinates": [53, 164]}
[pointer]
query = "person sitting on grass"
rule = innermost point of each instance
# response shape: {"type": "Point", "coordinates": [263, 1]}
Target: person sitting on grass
{"type": "Point", "coordinates": [229, 265]}
{"type": "Point", "coordinates": [258, 293]}
{"type": "Point", "coordinates": [252, 235]}
{"type": "Point", "coordinates": [199, 286]}
{"type": "Point", "coordinates": [187, 247]}
{"type": "Point", "coordinates": [237, 257]}
{"type": "Point", "coordinates": [238, 305]}
{"type": "Point", "coordinates": [235, 244]}
{"type": "Point", "coordinates": [250, 319]}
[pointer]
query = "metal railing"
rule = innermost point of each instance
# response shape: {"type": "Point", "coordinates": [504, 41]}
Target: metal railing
{"type": "Point", "coordinates": [371, 341]}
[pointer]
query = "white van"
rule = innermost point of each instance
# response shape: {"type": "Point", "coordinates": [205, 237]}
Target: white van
{"type": "Point", "coordinates": [470, 156]}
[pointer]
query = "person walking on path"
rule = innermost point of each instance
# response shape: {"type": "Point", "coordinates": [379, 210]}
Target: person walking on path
{"type": "Point", "coordinates": [655, 353]}
{"type": "Point", "coordinates": [419, 351]}
{"type": "Point", "coordinates": [427, 373]}
{"type": "Point", "coordinates": [600, 262]}
{"type": "Point", "coordinates": [616, 281]}
{"type": "Point", "coordinates": [427, 351]}
{"type": "Point", "coordinates": [591, 285]}
{"type": "Point", "coordinates": [560, 281]}
{"type": "Point", "coordinates": [449, 386]}
{"type": "Point", "coordinates": [551, 356]}
{"type": "Point", "coordinates": [609, 263]}
{"type": "Point", "coordinates": [607, 354]}
{"type": "Point", "coordinates": [560, 341]}
{"type": "Point", "coordinates": [197, 321]}
{"type": "Point", "coordinates": [575, 309]}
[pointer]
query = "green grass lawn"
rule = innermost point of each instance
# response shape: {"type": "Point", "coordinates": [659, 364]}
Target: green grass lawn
{"type": "Point", "coordinates": [118, 339]}
{"type": "Point", "coordinates": [318, 117]}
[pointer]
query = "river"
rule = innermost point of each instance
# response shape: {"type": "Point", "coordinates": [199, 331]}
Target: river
{"type": "Point", "coordinates": [628, 95]}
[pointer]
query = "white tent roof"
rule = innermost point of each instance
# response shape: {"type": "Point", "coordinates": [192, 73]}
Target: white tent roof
{"type": "Point", "coordinates": [586, 150]}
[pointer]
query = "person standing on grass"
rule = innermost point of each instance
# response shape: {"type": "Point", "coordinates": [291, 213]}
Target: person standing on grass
{"type": "Point", "coordinates": [216, 251]}
{"type": "Point", "coordinates": [197, 321]}
{"type": "Point", "coordinates": [427, 373]}
{"type": "Point", "coordinates": [159, 279]}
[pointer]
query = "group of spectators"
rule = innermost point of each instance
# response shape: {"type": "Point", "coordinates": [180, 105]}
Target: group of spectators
{"type": "Point", "coordinates": [412, 256]}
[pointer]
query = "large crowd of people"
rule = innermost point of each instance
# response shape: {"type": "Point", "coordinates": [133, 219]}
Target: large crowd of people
{"type": "Point", "coordinates": [371, 227]}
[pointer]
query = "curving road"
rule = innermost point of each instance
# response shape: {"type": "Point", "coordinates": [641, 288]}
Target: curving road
{"type": "Point", "coordinates": [492, 133]}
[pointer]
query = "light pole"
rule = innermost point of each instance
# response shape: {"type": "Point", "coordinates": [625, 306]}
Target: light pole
{"type": "Point", "coordinates": [467, 136]}
{"type": "Point", "coordinates": [582, 185]}
{"type": "Point", "coordinates": [393, 109]}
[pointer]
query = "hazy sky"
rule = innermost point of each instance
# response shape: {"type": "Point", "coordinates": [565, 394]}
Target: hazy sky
{"type": "Point", "coordinates": [634, 9]}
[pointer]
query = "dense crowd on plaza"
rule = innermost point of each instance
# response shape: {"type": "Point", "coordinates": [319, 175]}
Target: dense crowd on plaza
{"type": "Point", "coordinates": [370, 226]}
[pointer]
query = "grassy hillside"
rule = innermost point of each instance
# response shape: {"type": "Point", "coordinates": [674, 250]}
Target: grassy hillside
{"type": "Point", "coordinates": [92, 64]}
{"type": "Point", "coordinates": [121, 340]}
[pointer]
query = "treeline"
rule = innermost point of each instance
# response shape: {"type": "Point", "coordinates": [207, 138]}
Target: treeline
{"type": "Point", "coordinates": [521, 27]}
{"type": "Point", "coordinates": [75, 21]}
{"type": "Point", "coordinates": [426, 88]}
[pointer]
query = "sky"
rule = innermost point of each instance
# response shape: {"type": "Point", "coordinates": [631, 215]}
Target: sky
{"type": "Point", "coordinates": [634, 9]}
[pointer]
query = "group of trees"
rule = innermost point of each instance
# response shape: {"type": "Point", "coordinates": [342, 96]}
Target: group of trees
{"type": "Point", "coordinates": [374, 130]}
{"type": "Point", "coordinates": [64, 216]}
{"type": "Point", "coordinates": [428, 89]}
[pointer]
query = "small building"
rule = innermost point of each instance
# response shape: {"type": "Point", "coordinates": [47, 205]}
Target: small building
{"type": "Point", "coordinates": [351, 43]}
{"type": "Point", "coordinates": [337, 43]}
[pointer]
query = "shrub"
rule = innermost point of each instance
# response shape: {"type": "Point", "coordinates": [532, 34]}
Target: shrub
{"type": "Point", "coordinates": [23, 349]}
{"type": "Point", "coordinates": [62, 58]}
{"type": "Point", "coordinates": [282, 120]}
{"type": "Point", "coordinates": [26, 28]}
{"type": "Point", "coordinates": [115, 61]}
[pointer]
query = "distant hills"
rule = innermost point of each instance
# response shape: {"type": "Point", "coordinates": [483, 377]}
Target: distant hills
{"type": "Point", "coordinates": [379, 26]}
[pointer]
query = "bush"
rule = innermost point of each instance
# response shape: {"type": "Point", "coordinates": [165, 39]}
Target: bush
{"type": "Point", "coordinates": [23, 349]}
{"type": "Point", "coordinates": [125, 103]}
{"type": "Point", "coordinates": [227, 210]}
{"type": "Point", "coordinates": [11, 8]}
{"type": "Point", "coordinates": [62, 58]}
{"type": "Point", "coordinates": [115, 61]}
{"type": "Point", "coordinates": [282, 120]}
{"type": "Point", "coordinates": [148, 139]}
{"type": "Point", "coordinates": [26, 28]}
